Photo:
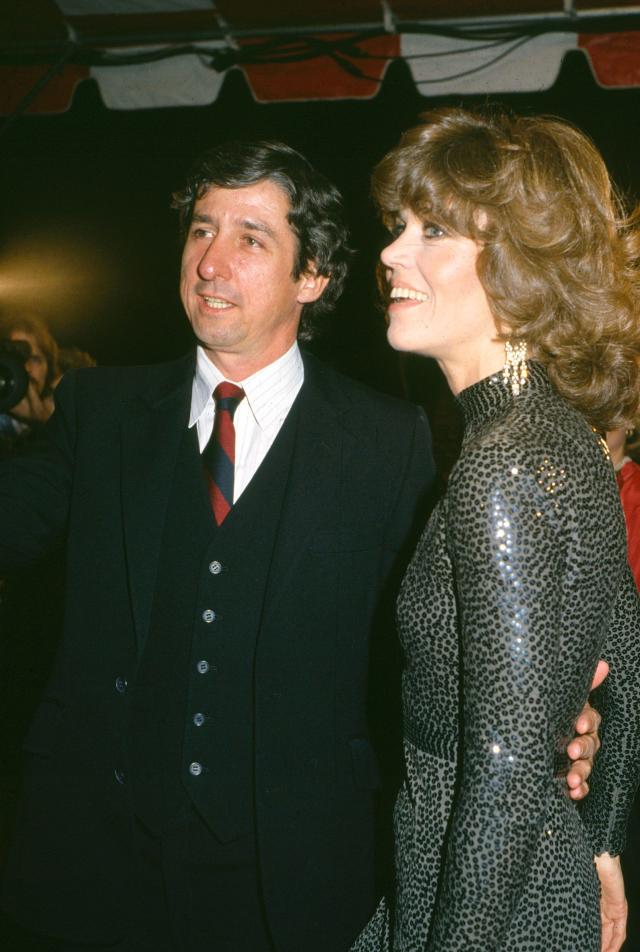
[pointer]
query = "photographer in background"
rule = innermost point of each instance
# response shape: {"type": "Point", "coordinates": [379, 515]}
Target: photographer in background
{"type": "Point", "coordinates": [30, 599]}
{"type": "Point", "coordinates": [28, 340]}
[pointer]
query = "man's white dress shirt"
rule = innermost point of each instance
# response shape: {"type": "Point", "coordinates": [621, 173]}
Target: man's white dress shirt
{"type": "Point", "coordinates": [269, 395]}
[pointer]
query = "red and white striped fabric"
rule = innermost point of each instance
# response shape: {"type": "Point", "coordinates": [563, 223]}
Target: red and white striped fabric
{"type": "Point", "coordinates": [322, 49]}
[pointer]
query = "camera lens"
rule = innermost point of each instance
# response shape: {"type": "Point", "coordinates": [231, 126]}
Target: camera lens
{"type": "Point", "coordinates": [14, 380]}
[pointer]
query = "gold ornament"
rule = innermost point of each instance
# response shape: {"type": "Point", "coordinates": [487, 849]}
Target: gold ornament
{"type": "Point", "coordinates": [515, 371]}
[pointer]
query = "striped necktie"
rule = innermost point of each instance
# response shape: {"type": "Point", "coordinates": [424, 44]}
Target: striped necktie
{"type": "Point", "coordinates": [219, 454]}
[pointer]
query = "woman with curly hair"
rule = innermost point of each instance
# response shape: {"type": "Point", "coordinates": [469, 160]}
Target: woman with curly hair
{"type": "Point", "coordinates": [513, 265]}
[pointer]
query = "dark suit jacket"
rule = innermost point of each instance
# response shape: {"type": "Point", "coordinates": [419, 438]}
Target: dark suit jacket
{"type": "Point", "coordinates": [361, 465]}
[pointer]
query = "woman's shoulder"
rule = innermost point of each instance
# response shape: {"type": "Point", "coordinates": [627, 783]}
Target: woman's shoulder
{"type": "Point", "coordinates": [542, 448]}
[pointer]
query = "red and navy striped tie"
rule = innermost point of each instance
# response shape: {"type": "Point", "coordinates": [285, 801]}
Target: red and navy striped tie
{"type": "Point", "coordinates": [219, 454]}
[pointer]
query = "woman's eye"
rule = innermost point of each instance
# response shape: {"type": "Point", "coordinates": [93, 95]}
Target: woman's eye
{"type": "Point", "coordinates": [396, 229]}
{"type": "Point", "coordinates": [432, 231]}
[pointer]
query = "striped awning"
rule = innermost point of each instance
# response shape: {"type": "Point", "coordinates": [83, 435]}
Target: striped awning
{"type": "Point", "coordinates": [157, 53]}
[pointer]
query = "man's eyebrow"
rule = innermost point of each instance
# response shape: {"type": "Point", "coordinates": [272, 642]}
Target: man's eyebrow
{"type": "Point", "coordinates": [255, 224]}
{"type": "Point", "coordinates": [251, 224]}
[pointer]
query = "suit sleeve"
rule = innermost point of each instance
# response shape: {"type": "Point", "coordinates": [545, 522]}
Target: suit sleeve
{"type": "Point", "coordinates": [508, 555]}
{"type": "Point", "coordinates": [415, 489]}
{"type": "Point", "coordinates": [35, 487]}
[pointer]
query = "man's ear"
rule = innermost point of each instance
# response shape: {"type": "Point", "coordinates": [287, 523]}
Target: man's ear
{"type": "Point", "coordinates": [312, 285]}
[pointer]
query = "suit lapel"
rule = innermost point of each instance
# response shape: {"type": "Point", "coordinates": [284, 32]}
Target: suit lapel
{"type": "Point", "coordinates": [150, 441]}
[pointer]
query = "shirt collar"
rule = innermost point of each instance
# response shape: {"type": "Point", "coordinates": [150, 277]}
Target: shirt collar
{"type": "Point", "coordinates": [269, 392]}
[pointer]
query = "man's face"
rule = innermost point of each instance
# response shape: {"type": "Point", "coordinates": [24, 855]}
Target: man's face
{"type": "Point", "coordinates": [237, 283]}
{"type": "Point", "coordinates": [36, 363]}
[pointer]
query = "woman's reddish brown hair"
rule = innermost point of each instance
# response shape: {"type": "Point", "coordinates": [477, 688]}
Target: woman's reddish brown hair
{"type": "Point", "coordinates": [559, 258]}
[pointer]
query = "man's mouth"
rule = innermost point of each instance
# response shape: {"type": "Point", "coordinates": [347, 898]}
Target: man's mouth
{"type": "Point", "coordinates": [408, 294]}
{"type": "Point", "coordinates": [218, 304]}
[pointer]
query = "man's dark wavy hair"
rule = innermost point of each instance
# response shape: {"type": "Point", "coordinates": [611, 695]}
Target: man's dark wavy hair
{"type": "Point", "coordinates": [316, 214]}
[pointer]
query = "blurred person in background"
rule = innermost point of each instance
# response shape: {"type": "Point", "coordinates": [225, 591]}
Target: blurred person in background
{"type": "Point", "coordinates": [31, 599]}
{"type": "Point", "coordinates": [624, 445]}
{"type": "Point", "coordinates": [20, 422]}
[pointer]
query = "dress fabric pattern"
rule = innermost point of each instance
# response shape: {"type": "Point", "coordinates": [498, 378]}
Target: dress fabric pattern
{"type": "Point", "coordinates": [518, 586]}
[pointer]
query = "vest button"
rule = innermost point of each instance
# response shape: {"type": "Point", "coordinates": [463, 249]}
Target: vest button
{"type": "Point", "coordinates": [208, 616]}
{"type": "Point", "coordinates": [195, 769]}
{"type": "Point", "coordinates": [198, 719]}
{"type": "Point", "coordinates": [121, 685]}
{"type": "Point", "coordinates": [119, 775]}
{"type": "Point", "coordinates": [202, 666]}
{"type": "Point", "coordinates": [215, 567]}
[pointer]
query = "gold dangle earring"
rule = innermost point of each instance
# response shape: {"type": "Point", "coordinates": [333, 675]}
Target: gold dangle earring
{"type": "Point", "coordinates": [515, 371]}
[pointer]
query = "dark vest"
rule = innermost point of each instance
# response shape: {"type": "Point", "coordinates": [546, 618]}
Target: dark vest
{"type": "Point", "coordinates": [191, 727]}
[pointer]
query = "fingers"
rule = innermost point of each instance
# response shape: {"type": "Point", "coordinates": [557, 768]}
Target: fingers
{"type": "Point", "coordinates": [33, 408]}
{"type": "Point", "coordinates": [589, 723]}
{"type": "Point", "coordinates": [613, 904]}
{"type": "Point", "coordinates": [579, 793]}
{"type": "Point", "coordinates": [613, 935]}
{"type": "Point", "coordinates": [602, 670]}
{"type": "Point", "coordinates": [577, 781]}
{"type": "Point", "coordinates": [619, 935]}
{"type": "Point", "coordinates": [583, 748]}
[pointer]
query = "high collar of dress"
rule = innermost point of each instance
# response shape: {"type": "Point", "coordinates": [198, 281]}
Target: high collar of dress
{"type": "Point", "coordinates": [492, 397]}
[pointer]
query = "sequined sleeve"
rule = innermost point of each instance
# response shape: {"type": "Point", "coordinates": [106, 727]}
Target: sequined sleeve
{"type": "Point", "coordinates": [615, 775]}
{"type": "Point", "coordinates": [529, 583]}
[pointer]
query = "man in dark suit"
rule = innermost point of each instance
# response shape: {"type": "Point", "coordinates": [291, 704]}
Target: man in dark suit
{"type": "Point", "coordinates": [200, 774]}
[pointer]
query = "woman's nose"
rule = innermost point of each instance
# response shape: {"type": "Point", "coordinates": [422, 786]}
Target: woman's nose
{"type": "Point", "coordinates": [394, 253]}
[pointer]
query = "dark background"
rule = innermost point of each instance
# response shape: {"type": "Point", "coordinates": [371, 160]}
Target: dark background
{"type": "Point", "coordinates": [88, 242]}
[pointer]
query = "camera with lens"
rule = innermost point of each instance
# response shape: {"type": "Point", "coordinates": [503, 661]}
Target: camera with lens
{"type": "Point", "coordinates": [14, 379]}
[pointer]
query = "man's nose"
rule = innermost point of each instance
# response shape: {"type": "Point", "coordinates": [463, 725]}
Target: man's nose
{"type": "Point", "coordinates": [215, 260]}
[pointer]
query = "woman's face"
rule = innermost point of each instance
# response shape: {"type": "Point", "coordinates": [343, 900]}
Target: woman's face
{"type": "Point", "coordinates": [438, 307]}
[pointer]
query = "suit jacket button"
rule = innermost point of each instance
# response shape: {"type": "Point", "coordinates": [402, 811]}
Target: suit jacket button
{"type": "Point", "coordinates": [121, 685]}
{"type": "Point", "coordinates": [215, 567]}
{"type": "Point", "coordinates": [119, 775]}
{"type": "Point", "coordinates": [195, 769]}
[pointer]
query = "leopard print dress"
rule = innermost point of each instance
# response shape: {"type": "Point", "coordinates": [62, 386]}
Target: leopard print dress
{"type": "Point", "coordinates": [518, 586]}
